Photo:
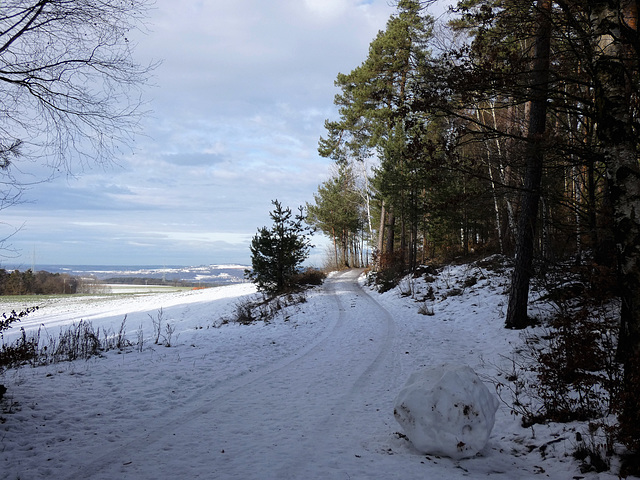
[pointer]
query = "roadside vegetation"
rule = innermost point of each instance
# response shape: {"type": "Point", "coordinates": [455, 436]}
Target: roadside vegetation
{"type": "Point", "coordinates": [79, 341]}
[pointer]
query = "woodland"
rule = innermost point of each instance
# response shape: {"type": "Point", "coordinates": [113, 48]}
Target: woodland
{"type": "Point", "coordinates": [510, 128]}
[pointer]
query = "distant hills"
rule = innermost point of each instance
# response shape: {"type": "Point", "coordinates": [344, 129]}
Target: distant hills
{"type": "Point", "coordinates": [153, 275]}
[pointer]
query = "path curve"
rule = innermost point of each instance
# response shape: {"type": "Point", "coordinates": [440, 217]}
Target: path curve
{"type": "Point", "coordinates": [343, 371]}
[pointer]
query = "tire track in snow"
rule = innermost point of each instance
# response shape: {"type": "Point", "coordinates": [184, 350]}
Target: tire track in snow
{"type": "Point", "coordinates": [228, 428]}
{"type": "Point", "coordinates": [375, 369]}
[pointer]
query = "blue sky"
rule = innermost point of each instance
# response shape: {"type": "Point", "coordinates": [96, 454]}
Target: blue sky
{"type": "Point", "coordinates": [238, 105]}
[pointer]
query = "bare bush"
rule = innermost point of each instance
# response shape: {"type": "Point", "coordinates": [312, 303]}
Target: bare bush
{"type": "Point", "coordinates": [162, 330]}
{"type": "Point", "coordinates": [425, 309]}
{"type": "Point", "coordinates": [249, 311]}
{"type": "Point", "coordinates": [78, 341]}
{"type": "Point", "coordinates": [157, 325]}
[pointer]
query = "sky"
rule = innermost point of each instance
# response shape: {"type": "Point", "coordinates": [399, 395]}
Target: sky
{"type": "Point", "coordinates": [237, 105]}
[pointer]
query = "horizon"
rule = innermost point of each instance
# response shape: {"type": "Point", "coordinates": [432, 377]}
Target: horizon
{"type": "Point", "coordinates": [316, 258]}
{"type": "Point", "coordinates": [127, 267]}
{"type": "Point", "coordinates": [157, 266]}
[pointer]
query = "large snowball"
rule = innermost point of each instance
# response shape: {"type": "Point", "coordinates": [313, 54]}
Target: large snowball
{"type": "Point", "coordinates": [446, 410]}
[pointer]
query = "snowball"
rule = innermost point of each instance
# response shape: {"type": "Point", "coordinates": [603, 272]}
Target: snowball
{"type": "Point", "coordinates": [446, 410]}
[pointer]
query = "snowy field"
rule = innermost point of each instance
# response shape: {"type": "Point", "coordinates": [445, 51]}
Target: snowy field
{"type": "Point", "coordinates": [116, 288]}
{"type": "Point", "coordinates": [307, 396]}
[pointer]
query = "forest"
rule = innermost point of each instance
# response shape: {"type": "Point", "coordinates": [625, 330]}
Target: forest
{"type": "Point", "coordinates": [39, 283]}
{"type": "Point", "coordinates": [509, 128]}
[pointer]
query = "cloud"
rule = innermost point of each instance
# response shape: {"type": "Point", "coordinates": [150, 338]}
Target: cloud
{"type": "Point", "coordinates": [238, 105]}
{"type": "Point", "coordinates": [192, 159]}
{"type": "Point", "coordinates": [327, 9]}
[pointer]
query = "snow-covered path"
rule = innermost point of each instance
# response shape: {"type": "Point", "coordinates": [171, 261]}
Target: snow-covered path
{"type": "Point", "coordinates": [311, 395]}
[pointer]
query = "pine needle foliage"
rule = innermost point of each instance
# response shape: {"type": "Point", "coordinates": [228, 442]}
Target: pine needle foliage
{"type": "Point", "coordinates": [278, 252]}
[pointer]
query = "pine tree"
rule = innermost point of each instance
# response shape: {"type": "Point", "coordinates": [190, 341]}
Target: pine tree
{"type": "Point", "coordinates": [534, 159]}
{"type": "Point", "coordinates": [279, 251]}
{"type": "Point", "coordinates": [338, 214]}
{"type": "Point", "coordinates": [374, 107]}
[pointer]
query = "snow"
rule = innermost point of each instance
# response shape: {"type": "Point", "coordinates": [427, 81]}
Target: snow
{"type": "Point", "coordinates": [446, 410]}
{"type": "Point", "coordinates": [309, 395]}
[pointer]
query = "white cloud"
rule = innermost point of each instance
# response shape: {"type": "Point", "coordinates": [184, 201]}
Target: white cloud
{"type": "Point", "coordinates": [239, 104]}
{"type": "Point", "coordinates": [327, 9]}
{"type": "Point", "coordinates": [208, 237]}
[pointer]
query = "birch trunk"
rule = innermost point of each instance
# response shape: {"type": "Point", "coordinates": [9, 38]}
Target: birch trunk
{"type": "Point", "coordinates": [612, 22]}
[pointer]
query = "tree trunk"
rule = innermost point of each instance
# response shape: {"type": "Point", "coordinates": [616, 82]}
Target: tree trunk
{"type": "Point", "coordinates": [522, 272]}
{"type": "Point", "coordinates": [616, 136]}
{"type": "Point", "coordinates": [613, 23]}
{"type": "Point", "coordinates": [335, 247]}
{"type": "Point", "coordinates": [494, 194]}
{"type": "Point", "coordinates": [381, 230]}
{"type": "Point", "coordinates": [505, 175]}
{"type": "Point", "coordinates": [390, 232]}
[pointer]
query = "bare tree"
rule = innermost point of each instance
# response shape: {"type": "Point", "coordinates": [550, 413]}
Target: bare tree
{"type": "Point", "coordinates": [69, 89]}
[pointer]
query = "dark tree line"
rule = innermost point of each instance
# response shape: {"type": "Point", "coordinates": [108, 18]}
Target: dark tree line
{"type": "Point", "coordinates": [38, 283]}
{"type": "Point", "coordinates": [512, 129]}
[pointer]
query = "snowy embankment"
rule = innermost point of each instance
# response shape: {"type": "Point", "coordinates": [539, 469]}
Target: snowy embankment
{"type": "Point", "coordinates": [307, 396]}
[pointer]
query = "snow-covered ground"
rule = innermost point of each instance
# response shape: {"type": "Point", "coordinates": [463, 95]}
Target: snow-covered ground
{"type": "Point", "coordinates": [307, 396]}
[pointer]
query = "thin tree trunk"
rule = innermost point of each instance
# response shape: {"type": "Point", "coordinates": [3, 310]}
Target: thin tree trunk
{"type": "Point", "coordinates": [366, 195]}
{"type": "Point", "coordinates": [335, 247]}
{"type": "Point", "coordinates": [577, 198]}
{"type": "Point", "coordinates": [503, 178]}
{"type": "Point", "coordinates": [381, 232]}
{"type": "Point", "coordinates": [522, 272]}
{"type": "Point", "coordinates": [493, 184]}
